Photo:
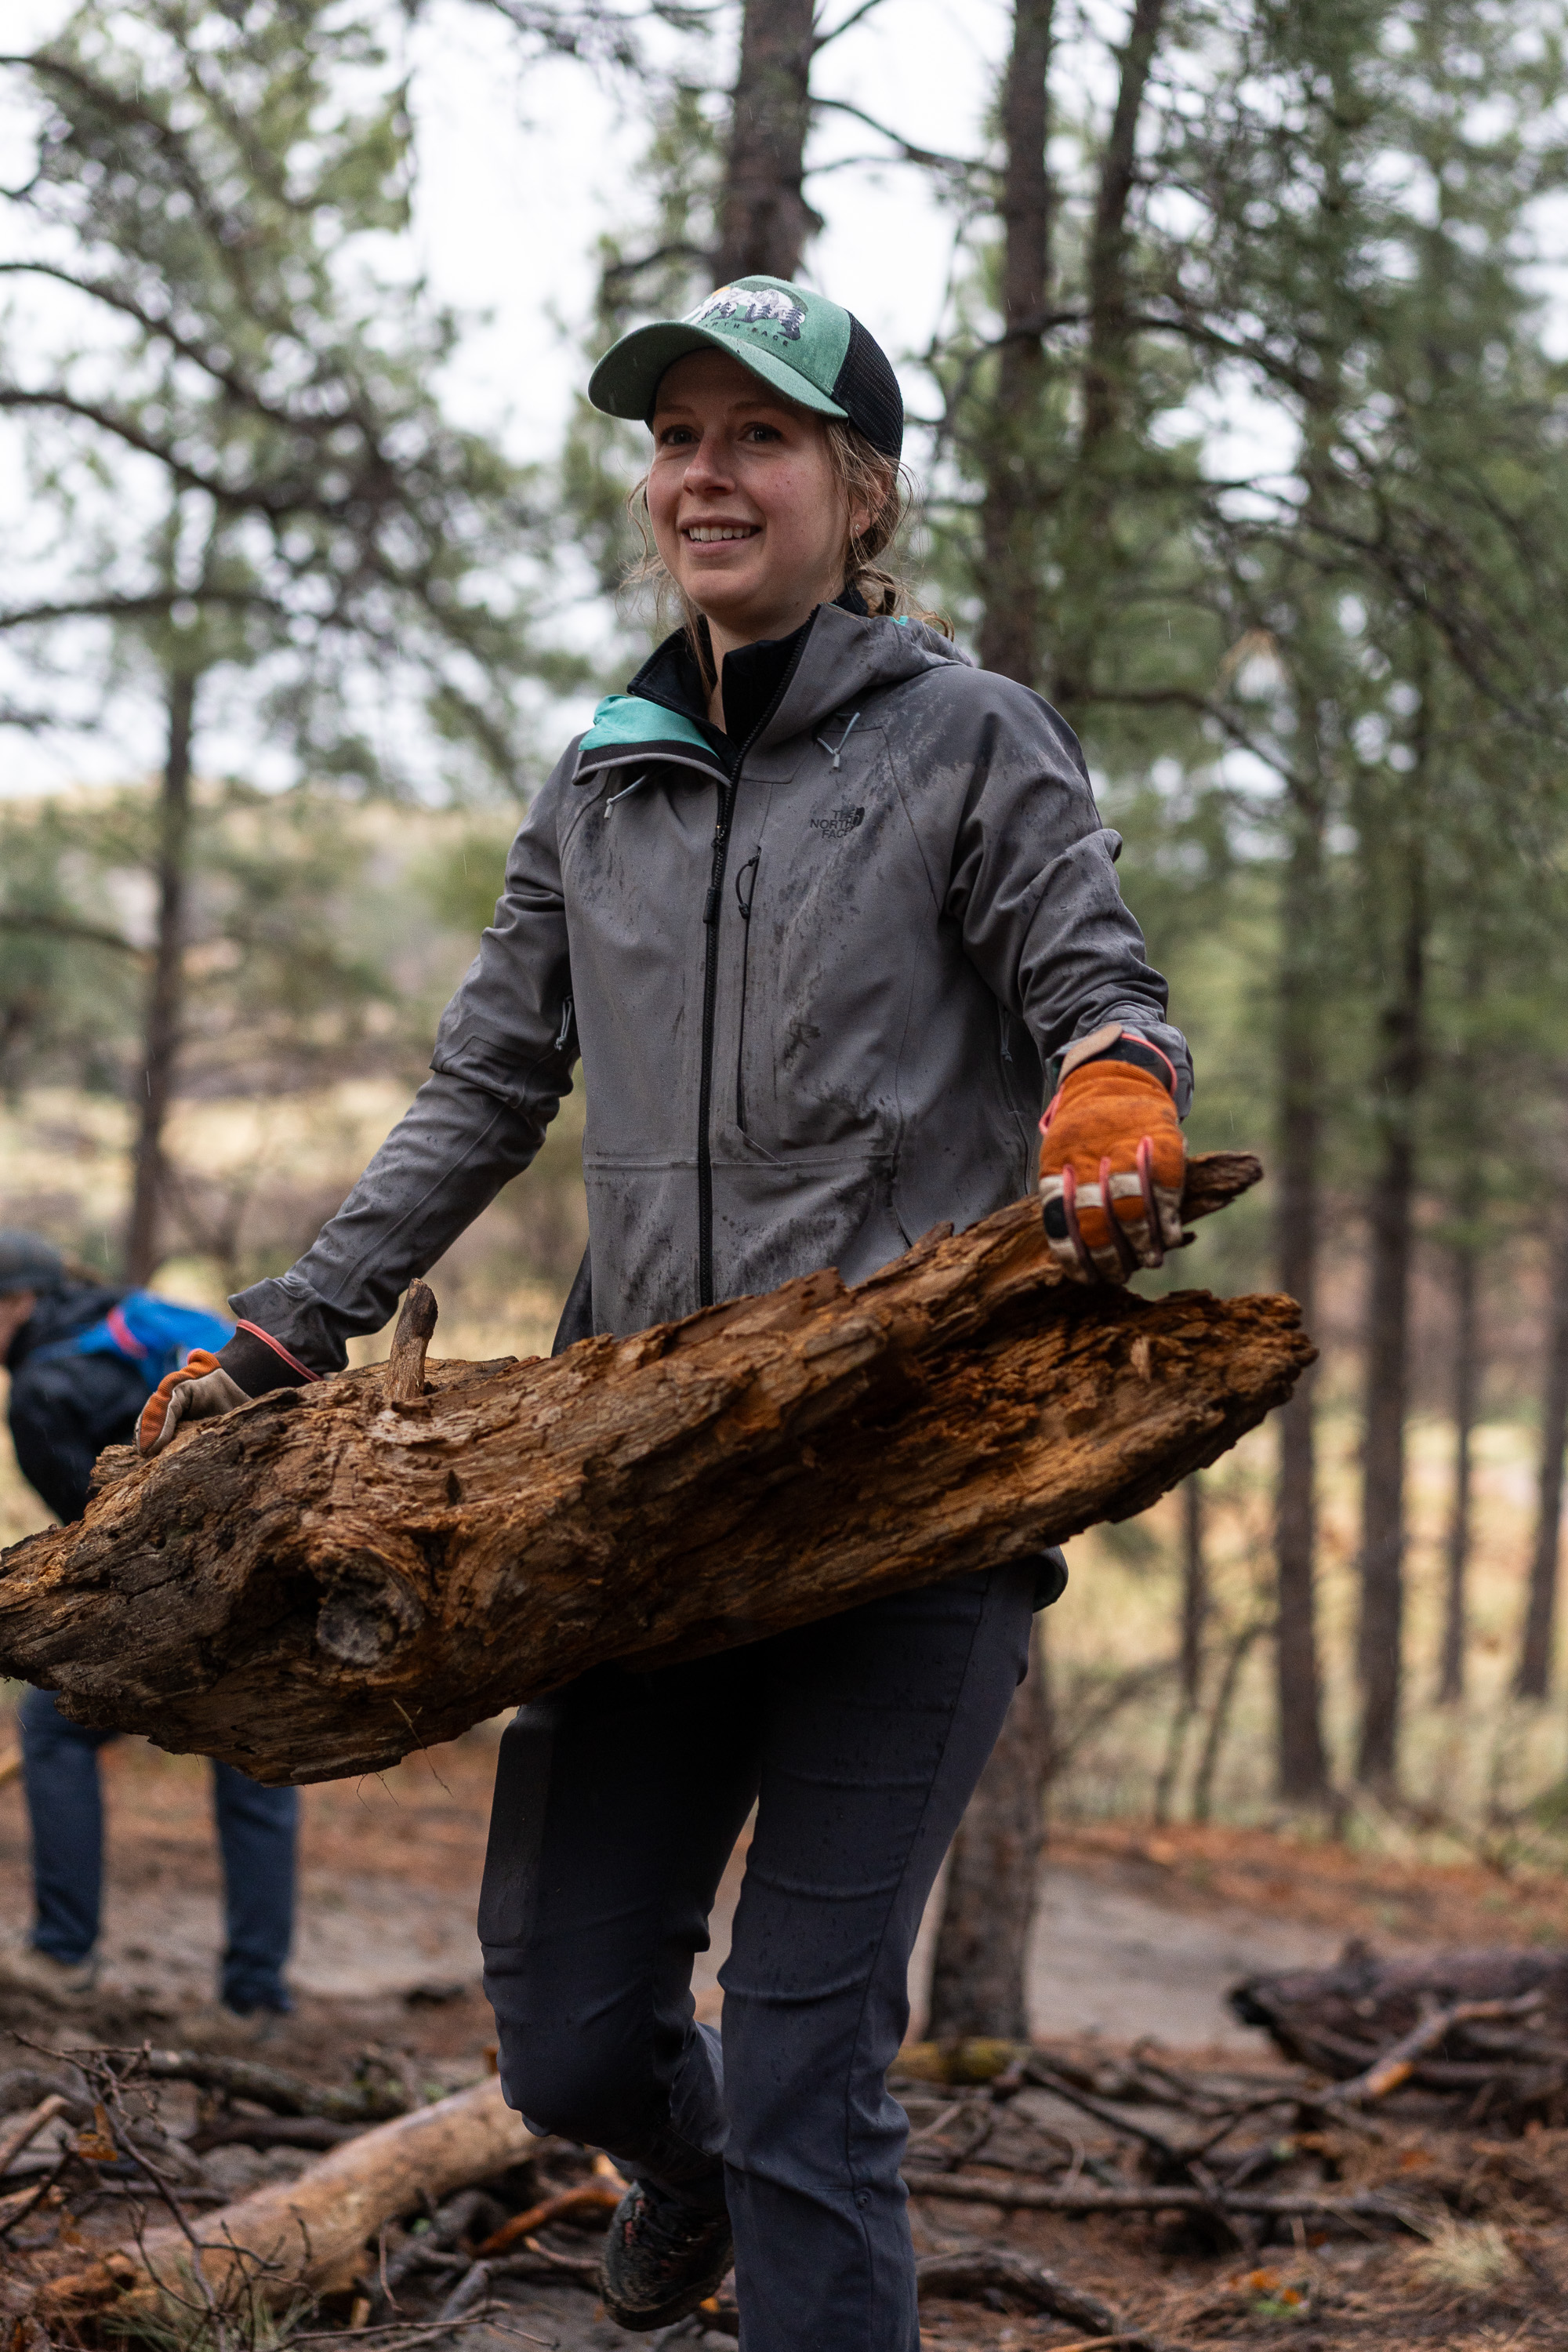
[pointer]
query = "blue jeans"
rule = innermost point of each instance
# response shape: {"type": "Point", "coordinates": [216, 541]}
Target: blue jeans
{"type": "Point", "coordinates": [617, 1803]}
{"type": "Point", "coordinates": [255, 1826]}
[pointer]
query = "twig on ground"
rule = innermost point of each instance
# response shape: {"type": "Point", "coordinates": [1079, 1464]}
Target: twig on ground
{"type": "Point", "coordinates": [267, 2086]}
{"type": "Point", "coordinates": [974, 2272]}
{"type": "Point", "coordinates": [1399, 2061]}
{"type": "Point", "coordinates": [591, 2193]}
{"type": "Point", "coordinates": [1033, 2197]}
{"type": "Point", "coordinates": [29, 2128]}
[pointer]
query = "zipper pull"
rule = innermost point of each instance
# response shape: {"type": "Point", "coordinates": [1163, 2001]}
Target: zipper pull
{"type": "Point", "coordinates": [711, 905]}
{"type": "Point", "coordinates": [564, 1030]}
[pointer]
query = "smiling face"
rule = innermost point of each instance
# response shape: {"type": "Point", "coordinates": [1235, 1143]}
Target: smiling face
{"type": "Point", "coordinates": [748, 515]}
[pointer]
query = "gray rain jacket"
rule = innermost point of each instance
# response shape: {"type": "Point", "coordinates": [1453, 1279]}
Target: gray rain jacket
{"type": "Point", "coordinates": [813, 987]}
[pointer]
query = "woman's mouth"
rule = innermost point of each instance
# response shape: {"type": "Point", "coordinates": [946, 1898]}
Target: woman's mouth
{"type": "Point", "coordinates": [709, 534]}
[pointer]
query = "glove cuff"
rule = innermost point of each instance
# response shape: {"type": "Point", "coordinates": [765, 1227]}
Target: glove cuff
{"type": "Point", "coordinates": [257, 1362]}
{"type": "Point", "coordinates": [1114, 1042]}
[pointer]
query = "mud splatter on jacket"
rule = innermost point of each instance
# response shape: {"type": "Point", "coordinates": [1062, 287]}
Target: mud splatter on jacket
{"type": "Point", "coordinates": [814, 979]}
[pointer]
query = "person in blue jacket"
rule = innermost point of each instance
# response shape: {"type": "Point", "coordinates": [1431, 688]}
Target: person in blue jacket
{"type": "Point", "coordinates": [83, 1357]}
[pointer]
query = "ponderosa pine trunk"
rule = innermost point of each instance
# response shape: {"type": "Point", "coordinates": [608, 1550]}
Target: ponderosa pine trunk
{"type": "Point", "coordinates": [765, 221]}
{"type": "Point", "coordinates": [1104, 379]}
{"type": "Point", "coordinates": [1010, 511]}
{"type": "Point", "coordinates": [1301, 1765]}
{"type": "Point", "coordinates": [1463, 1259]}
{"type": "Point", "coordinates": [1194, 1591]}
{"type": "Point", "coordinates": [166, 989]}
{"type": "Point", "coordinates": [1533, 1676]}
{"type": "Point", "coordinates": [979, 1983]}
{"type": "Point", "coordinates": [1088, 553]}
{"type": "Point", "coordinates": [987, 1910]}
{"type": "Point", "coordinates": [1380, 1632]}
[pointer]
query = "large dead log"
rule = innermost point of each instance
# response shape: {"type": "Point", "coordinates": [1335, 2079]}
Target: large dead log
{"type": "Point", "coordinates": [333, 1576]}
{"type": "Point", "coordinates": [303, 2235]}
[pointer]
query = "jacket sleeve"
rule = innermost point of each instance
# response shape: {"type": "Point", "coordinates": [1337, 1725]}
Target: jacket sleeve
{"type": "Point", "coordinates": [503, 1059]}
{"type": "Point", "coordinates": [1031, 881]}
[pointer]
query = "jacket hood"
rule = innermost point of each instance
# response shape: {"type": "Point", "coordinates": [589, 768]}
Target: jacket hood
{"type": "Point", "coordinates": [842, 656]}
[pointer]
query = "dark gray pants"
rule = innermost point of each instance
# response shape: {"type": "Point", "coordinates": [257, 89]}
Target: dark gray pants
{"type": "Point", "coordinates": [618, 1805]}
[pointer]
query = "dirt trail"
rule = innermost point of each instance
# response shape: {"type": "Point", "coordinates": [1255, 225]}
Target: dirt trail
{"type": "Point", "coordinates": [1140, 1932]}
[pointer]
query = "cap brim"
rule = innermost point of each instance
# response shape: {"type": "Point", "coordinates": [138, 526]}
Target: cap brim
{"type": "Point", "coordinates": [628, 377]}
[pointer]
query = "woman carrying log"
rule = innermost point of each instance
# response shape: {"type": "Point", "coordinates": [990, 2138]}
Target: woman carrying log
{"type": "Point", "coordinates": [817, 904]}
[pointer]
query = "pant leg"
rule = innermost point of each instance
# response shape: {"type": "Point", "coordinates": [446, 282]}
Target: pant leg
{"type": "Point", "coordinates": [64, 1807]}
{"type": "Point", "coordinates": [258, 1831]}
{"type": "Point", "coordinates": [877, 1727]}
{"type": "Point", "coordinates": [617, 1804]}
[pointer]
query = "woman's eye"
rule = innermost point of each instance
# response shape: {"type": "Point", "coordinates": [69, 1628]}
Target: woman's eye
{"type": "Point", "coordinates": [763, 433]}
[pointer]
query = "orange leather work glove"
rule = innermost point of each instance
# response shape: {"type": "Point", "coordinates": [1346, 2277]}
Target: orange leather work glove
{"type": "Point", "coordinates": [1113, 1162]}
{"type": "Point", "coordinates": [197, 1391]}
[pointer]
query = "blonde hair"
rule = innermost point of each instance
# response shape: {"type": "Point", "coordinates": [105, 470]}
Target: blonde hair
{"type": "Point", "coordinates": [871, 483]}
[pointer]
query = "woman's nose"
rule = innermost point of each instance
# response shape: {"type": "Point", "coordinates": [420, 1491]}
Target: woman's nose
{"type": "Point", "coordinates": [707, 467]}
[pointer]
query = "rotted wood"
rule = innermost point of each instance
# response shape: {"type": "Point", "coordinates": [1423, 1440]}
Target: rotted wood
{"type": "Point", "coordinates": [416, 1327]}
{"type": "Point", "coordinates": [1482, 2022]}
{"type": "Point", "coordinates": [334, 1575]}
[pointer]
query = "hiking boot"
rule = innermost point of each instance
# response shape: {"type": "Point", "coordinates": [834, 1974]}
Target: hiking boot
{"type": "Point", "coordinates": [25, 1968]}
{"type": "Point", "coordinates": [661, 2259]}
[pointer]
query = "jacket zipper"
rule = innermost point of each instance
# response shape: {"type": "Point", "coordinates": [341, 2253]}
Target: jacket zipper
{"type": "Point", "coordinates": [711, 911]}
{"type": "Point", "coordinates": [729, 790]}
{"type": "Point", "coordinates": [743, 900]}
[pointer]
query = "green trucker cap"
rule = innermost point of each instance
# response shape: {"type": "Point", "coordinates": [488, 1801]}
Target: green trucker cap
{"type": "Point", "coordinates": [799, 342]}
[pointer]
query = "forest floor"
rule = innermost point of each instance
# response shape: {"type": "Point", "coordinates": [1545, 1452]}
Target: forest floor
{"type": "Point", "coordinates": [1142, 1932]}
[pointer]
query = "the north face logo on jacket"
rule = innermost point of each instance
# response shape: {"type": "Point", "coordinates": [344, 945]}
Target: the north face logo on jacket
{"type": "Point", "coordinates": [839, 822]}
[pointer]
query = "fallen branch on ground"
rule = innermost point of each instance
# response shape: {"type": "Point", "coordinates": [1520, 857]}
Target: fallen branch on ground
{"type": "Point", "coordinates": [303, 2235]}
{"type": "Point", "coordinates": [1490, 2024]}
{"type": "Point", "coordinates": [1030, 2196]}
{"type": "Point", "coordinates": [976, 2272]}
{"type": "Point", "coordinates": [334, 1575]}
{"type": "Point", "coordinates": [266, 2086]}
{"type": "Point", "coordinates": [592, 2194]}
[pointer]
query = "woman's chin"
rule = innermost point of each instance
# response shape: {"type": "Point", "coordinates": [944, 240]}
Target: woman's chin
{"type": "Point", "coordinates": [722, 588]}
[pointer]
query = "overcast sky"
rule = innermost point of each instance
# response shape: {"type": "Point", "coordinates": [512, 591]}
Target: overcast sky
{"type": "Point", "coordinates": [524, 162]}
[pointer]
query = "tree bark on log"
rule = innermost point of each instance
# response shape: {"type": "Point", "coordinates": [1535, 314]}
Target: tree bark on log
{"type": "Point", "coordinates": [304, 2235]}
{"type": "Point", "coordinates": [1339, 2021]}
{"type": "Point", "coordinates": [325, 1580]}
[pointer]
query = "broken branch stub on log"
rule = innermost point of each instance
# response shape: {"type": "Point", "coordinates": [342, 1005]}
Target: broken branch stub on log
{"type": "Point", "coordinates": [334, 1575]}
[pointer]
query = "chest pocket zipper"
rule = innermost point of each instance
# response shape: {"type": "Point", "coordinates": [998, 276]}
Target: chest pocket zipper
{"type": "Point", "coordinates": [745, 891]}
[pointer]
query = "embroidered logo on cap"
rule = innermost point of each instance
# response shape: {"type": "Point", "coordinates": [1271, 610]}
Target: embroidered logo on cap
{"type": "Point", "coordinates": [752, 308]}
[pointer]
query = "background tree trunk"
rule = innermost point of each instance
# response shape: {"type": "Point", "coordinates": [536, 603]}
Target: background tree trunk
{"type": "Point", "coordinates": [978, 1982]}
{"type": "Point", "coordinates": [1302, 1762]}
{"type": "Point", "coordinates": [1194, 1589]}
{"type": "Point", "coordinates": [1104, 381]}
{"type": "Point", "coordinates": [1380, 1643]}
{"type": "Point", "coordinates": [1010, 622]}
{"type": "Point", "coordinates": [166, 989]}
{"type": "Point", "coordinates": [1532, 1678]}
{"type": "Point", "coordinates": [765, 221]}
{"type": "Point", "coordinates": [1463, 1259]}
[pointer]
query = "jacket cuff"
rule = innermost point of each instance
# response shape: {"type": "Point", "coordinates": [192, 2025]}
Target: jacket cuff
{"type": "Point", "coordinates": [257, 1363]}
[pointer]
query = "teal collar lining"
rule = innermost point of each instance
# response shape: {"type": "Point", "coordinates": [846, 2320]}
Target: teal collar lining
{"type": "Point", "coordinates": [625, 724]}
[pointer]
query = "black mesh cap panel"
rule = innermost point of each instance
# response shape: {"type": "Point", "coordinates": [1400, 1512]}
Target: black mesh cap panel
{"type": "Point", "coordinates": [868, 391]}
